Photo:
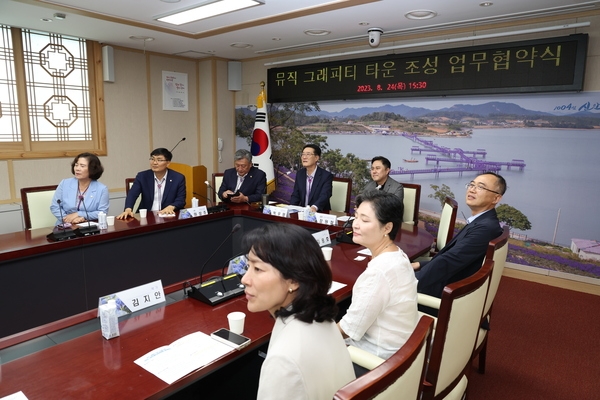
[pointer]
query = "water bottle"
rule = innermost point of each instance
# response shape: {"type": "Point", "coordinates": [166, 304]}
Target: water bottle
{"type": "Point", "coordinates": [109, 322]}
{"type": "Point", "coordinates": [194, 202]}
{"type": "Point", "coordinates": [102, 224]}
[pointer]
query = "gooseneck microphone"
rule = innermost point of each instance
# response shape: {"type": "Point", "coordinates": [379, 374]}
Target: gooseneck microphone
{"type": "Point", "coordinates": [234, 230]}
{"type": "Point", "coordinates": [204, 197]}
{"type": "Point", "coordinates": [182, 139]}
{"type": "Point", "coordinates": [89, 229]}
{"type": "Point", "coordinates": [212, 189]}
{"type": "Point", "coordinates": [62, 233]}
{"type": "Point", "coordinates": [214, 208]}
{"type": "Point", "coordinates": [209, 292]}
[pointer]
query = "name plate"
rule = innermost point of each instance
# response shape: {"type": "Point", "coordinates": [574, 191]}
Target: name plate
{"type": "Point", "coordinates": [327, 219]}
{"type": "Point", "coordinates": [137, 298]}
{"type": "Point", "coordinates": [278, 211]}
{"type": "Point", "coordinates": [322, 237]}
{"type": "Point", "coordinates": [193, 212]}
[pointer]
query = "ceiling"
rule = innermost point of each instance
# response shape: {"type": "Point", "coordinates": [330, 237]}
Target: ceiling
{"type": "Point", "coordinates": [275, 28]}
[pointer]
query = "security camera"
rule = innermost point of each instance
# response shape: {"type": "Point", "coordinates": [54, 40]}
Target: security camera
{"type": "Point", "coordinates": [374, 36]}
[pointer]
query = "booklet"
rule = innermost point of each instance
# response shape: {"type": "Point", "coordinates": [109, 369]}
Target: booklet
{"type": "Point", "coordinates": [183, 356]}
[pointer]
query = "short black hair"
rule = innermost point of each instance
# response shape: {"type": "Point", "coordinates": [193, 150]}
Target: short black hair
{"type": "Point", "coordinates": [95, 168]}
{"type": "Point", "coordinates": [500, 181]}
{"type": "Point", "coordinates": [386, 163]}
{"type": "Point", "coordinates": [388, 208]}
{"type": "Point", "coordinates": [161, 151]}
{"type": "Point", "coordinates": [315, 148]}
{"type": "Point", "coordinates": [295, 253]}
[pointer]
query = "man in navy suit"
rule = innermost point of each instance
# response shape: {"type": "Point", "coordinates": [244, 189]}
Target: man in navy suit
{"type": "Point", "coordinates": [318, 181]}
{"type": "Point", "coordinates": [245, 179]}
{"type": "Point", "coordinates": [162, 189]}
{"type": "Point", "coordinates": [464, 254]}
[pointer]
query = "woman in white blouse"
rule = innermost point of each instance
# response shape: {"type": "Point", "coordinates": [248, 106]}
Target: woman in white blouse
{"type": "Point", "coordinates": [288, 277]}
{"type": "Point", "coordinates": [383, 312]}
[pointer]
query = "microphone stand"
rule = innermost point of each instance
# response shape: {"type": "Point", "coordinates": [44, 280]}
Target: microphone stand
{"type": "Point", "coordinates": [62, 233]}
{"type": "Point", "coordinates": [214, 208]}
{"type": "Point", "coordinates": [182, 139]}
{"type": "Point", "coordinates": [89, 229]}
{"type": "Point", "coordinates": [209, 292]}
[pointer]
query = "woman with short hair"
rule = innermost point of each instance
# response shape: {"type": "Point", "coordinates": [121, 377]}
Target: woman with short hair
{"type": "Point", "coordinates": [288, 276]}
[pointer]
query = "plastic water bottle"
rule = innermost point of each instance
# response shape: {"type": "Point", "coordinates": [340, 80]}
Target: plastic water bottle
{"type": "Point", "coordinates": [109, 322]}
{"type": "Point", "coordinates": [102, 224]}
{"type": "Point", "coordinates": [194, 202]}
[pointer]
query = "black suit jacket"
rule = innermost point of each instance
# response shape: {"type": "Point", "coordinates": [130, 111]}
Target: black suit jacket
{"type": "Point", "coordinates": [320, 192]}
{"type": "Point", "coordinates": [173, 195]}
{"type": "Point", "coordinates": [461, 257]}
{"type": "Point", "coordinates": [254, 185]}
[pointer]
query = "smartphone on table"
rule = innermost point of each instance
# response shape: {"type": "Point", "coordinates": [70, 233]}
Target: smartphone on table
{"type": "Point", "coordinates": [231, 339]}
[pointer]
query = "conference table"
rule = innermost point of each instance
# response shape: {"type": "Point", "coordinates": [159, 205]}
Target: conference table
{"type": "Point", "coordinates": [88, 366]}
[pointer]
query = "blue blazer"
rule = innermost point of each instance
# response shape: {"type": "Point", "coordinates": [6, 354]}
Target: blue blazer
{"type": "Point", "coordinates": [173, 195]}
{"type": "Point", "coordinates": [95, 199]}
{"type": "Point", "coordinates": [254, 185]}
{"type": "Point", "coordinates": [320, 192]}
{"type": "Point", "coordinates": [461, 257]}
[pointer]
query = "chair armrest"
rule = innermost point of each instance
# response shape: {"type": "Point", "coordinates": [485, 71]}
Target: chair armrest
{"type": "Point", "coordinates": [364, 358]}
{"type": "Point", "coordinates": [428, 301]}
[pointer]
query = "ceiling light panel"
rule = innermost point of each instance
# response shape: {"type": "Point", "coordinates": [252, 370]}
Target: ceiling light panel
{"type": "Point", "coordinates": [207, 10]}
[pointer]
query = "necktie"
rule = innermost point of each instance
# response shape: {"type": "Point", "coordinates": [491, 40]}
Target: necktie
{"type": "Point", "coordinates": [239, 183]}
{"type": "Point", "coordinates": [308, 187]}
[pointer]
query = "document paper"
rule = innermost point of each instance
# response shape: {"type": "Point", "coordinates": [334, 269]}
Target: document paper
{"type": "Point", "coordinates": [183, 356]}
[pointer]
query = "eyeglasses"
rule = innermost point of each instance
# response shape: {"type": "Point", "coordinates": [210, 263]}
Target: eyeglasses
{"type": "Point", "coordinates": [478, 188]}
{"type": "Point", "coordinates": [158, 160]}
{"type": "Point", "coordinates": [307, 154]}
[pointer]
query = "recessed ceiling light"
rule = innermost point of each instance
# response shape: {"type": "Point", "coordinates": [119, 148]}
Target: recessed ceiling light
{"type": "Point", "coordinates": [46, 19]}
{"type": "Point", "coordinates": [205, 10]}
{"type": "Point", "coordinates": [170, 1]}
{"type": "Point", "coordinates": [486, 4]}
{"type": "Point", "coordinates": [277, 39]}
{"type": "Point", "coordinates": [363, 24]}
{"type": "Point", "coordinates": [60, 16]}
{"type": "Point", "coordinates": [240, 45]}
{"type": "Point", "coordinates": [317, 32]}
{"type": "Point", "coordinates": [144, 38]}
{"type": "Point", "coordinates": [420, 14]}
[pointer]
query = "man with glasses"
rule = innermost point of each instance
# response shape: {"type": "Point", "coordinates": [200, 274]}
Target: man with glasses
{"type": "Point", "coordinates": [244, 183]}
{"type": "Point", "coordinates": [313, 184]}
{"type": "Point", "coordinates": [464, 254]}
{"type": "Point", "coordinates": [162, 189]}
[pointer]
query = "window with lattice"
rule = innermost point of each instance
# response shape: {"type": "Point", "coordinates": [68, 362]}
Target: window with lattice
{"type": "Point", "coordinates": [49, 95]}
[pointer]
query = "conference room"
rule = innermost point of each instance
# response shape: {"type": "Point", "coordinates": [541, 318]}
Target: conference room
{"type": "Point", "coordinates": [221, 64]}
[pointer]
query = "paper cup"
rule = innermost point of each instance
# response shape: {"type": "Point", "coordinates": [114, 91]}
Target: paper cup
{"type": "Point", "coordinates": [301, 215]}
{"type": "Point", "coordinates": [110, 220]}
{"type": "Point", "coordinates": [143, 213]}
{"type": "Point", "coordinates": [327, 252]}
{"type": "Point", "coordinates": [236, 322]}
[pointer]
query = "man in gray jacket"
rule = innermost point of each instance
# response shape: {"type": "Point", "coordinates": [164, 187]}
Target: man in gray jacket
{"type": "Point", "coordinates": [380, 171]}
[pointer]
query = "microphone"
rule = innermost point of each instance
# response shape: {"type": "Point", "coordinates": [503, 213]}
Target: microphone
{"type": "Point", "coordinates": [62, 232]}
{"type": "Point", "coordinates": [89, 229]}
{"type": "Point", "coordinates": [204, 197]}
{"type": "Point", "coordinates": [214, 208]}
{"type": "Point", "coordinates": [182, 139]}
{"type": "Point", "coordinates": [207, 292]}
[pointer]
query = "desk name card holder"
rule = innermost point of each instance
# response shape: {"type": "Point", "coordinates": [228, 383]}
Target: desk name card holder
{"type": "Point", "coordinates": [135, 299]}
{"type": "Point", "coordinates": [322, 237]}
{"type": "Point", "coordinates": [278, 211]}
{"type": "Point", "coordinates": [326, 219]}
{"type": "Point", "coordinates": [193, 212]}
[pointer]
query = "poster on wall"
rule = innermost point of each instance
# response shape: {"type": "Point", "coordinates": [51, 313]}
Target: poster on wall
{"type": "Point", "coordinates": [175, 91]}
{"type": "Point", "coordinates": [544, 145]}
